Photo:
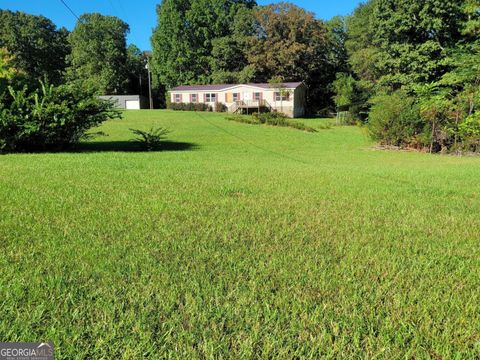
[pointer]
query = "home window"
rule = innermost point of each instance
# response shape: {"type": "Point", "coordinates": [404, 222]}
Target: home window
{"type": "Point", "coordinates": [257, 96]}
{"type": "Point", "coordinates": [210, 98]}
{"type": "Point", "coordinates": [194, 98]}
{"type": "Point", "coordinates": [178, 98]}
{"type": "Point", "coordinates": [282, 96]}
{"type": "Point", "coordinates": [236, 97]}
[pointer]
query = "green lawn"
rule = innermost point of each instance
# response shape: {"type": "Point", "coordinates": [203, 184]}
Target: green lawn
{"type": "Point", "coordinates": [240, 241]}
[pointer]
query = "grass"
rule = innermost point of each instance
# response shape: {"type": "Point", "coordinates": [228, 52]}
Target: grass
{"type": "Point", "coordinates": [240, 241]}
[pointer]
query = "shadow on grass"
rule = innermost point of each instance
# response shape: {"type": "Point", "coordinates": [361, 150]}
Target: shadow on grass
{"type": "Point", "coordinates": [131, 146]}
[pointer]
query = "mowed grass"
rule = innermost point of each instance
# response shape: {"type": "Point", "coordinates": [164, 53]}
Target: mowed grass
{"type": "Point", "coordinates": [240, 241]}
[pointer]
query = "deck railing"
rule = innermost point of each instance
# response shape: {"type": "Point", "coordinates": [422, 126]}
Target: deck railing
{"type": "Point", "coordinates": [249, 104]}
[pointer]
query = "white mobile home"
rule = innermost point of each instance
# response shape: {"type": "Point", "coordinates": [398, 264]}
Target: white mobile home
{"type": "Point", "coordinates": [288, 98]}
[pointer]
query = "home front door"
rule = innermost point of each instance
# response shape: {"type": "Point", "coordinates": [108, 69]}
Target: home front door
{"type": "Point", "coordinates": [247, 96]}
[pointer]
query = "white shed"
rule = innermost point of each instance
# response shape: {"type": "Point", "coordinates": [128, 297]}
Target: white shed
{"type": "Point", "coordinates": [128, 102]}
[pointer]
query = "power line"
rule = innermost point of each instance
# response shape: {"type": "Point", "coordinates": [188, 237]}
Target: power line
{"type": "Point", "coordinates": [69, 9]}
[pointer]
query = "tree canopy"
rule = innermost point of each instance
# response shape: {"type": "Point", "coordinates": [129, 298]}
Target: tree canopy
{"type": "Point", "coordinates": [417, 54]}
{"type": "Point", "coordinates": [137, 73]}
{"type": "Point", "coordinates": [195, 40]}
{"type": "Point", "coordinates": [225, 41]}
{"type": "Point", "coordinates": [36, 46]}
{"type": "Point", "coordinates": [98, 55]}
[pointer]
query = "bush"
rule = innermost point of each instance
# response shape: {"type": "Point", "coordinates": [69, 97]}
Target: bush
{"type": "Point", "coordinates": [435, 122]}
{"type": "Point", "coordinates": [346, 118]}
{"type": "Point", "coordinates": [220, 107]}
{"type": "Point", "coordinates": [351, 96]}
{"type": "Point", "coordinates": [251, 120]}
{"type": "Point", "coordinates": [468, 134]}
{"type": "Point", "coordinates": [395, 120]}
{"type": "Point", "coordinates": [50, 118]}
{"type": "Point", "coordinates": [150, 140]}
{"type": "Point", "coordinates": [279, 119]}
{"type": "Point", "coordinates": [273, 119]}
{"type": "Point", "coordinates": [189, 107]}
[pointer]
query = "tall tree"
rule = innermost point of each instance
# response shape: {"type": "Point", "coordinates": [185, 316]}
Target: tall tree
{"type": "Point", "coordinates": [472, 24]}
{"type": "Point", "coordinates": [400, 44]}
{"type": "Point", "coordinates": [173, 58]}
{"type": "Point", "coordinates": [413, 36]}
{"type": "Point", "coordinates": [229, 54]}
{"type": "Point", "coordinates": [7, 68]}
{"type": "Point", "coordinates": [361, 51]}
{"type": "Point", "coordinates": [37, 46]}
{"type": "Point", "coordinates": [9, 75]}
{"type": "Point", "coordinates": [193, 39]}
{"type": "Point", "coordinates": [137, 73]}
{"type": "Point", "coordinates": [99, 54]}
{"type": "Point", "coordinates": [337, 38]}
{"type": "Point", "coordinates": [289, 42]}
{"type": "Point", "coordinates": [420, 56]}
{"type": "Point", "coordinates": [355, 84]}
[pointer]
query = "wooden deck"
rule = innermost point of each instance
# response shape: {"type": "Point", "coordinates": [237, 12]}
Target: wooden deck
{"type": "Point", "coordinates": [249, 105]}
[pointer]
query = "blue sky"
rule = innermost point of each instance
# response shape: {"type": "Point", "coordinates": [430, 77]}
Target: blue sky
{"type": "Point", "coordinates": [141, 15]}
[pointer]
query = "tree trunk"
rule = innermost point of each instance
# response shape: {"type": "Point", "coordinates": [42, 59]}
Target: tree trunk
{"type": "Point", "coordinates": [457, 116]}
{"type": "Point", "coordinates": [433, 134]}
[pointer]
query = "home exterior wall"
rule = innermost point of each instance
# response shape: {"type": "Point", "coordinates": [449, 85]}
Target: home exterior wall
{"type": "Point", "coordinates": [300, 97]}
{"type": "Point", "coordinates": [222, 95]}
{"type": "Point", "coordinates": [286, 106]}
{"type": "Point", "coordinates": [294, 107]}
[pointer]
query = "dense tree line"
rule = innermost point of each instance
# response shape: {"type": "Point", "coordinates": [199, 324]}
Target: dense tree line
{"type": "Point", "coordinates": [94, 55]}
{"type": "Point", "coordinates": [28, 42]}
{"type": "Point", "coordinates": [195, 42]}
{"type": "Point", "coordinates": [50, 78]}
{"type": "Point", "coordinates": [236, 41]}
{"type": "Point", "coordinates": [414, 72]}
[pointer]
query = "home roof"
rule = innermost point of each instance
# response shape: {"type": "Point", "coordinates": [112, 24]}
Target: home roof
{"type": "Point", "coordinates": [220, 87]}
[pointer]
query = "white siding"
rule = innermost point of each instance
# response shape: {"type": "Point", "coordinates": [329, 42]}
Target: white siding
{"type": "Point", "coordinates": [294, 107]}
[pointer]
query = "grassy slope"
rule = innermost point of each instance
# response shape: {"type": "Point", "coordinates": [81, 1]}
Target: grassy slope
{"type": "Point", "coordinates": [257, 240]}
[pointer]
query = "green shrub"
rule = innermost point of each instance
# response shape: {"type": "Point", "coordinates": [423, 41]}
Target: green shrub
{"type": "Point", "coordinates": [395, 120]}
{"type": "Point", "coordinates": [272, 119]}
{"type": "Point", "coordinates": [279, 119]}
{"type": "Point", "coordinates": [244, 119]}
{"type": "Point", "coordinates": [150, 140]}
{"type": "Point", "coordinates": [220, 107]}
{"type": "Point", "coordinates": [468, 134]}
{"type": "Point", "coordinates": [49, 118]}
{"type": "Point", "coordinates": [346, 118]}
{"type": "Point", "coordinates": [189, 107]}
{"type": "Point", "coordinates": [351, 97]}
{"type": "Point", "coordinates": [434, 121]}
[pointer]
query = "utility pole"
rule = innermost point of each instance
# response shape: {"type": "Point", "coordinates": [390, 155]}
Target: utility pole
{"type": "Point", "coordinates": [147, 66]}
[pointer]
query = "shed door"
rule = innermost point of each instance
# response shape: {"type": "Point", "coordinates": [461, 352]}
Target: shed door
{"type": "Point", "coordinates": [132, 104]}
